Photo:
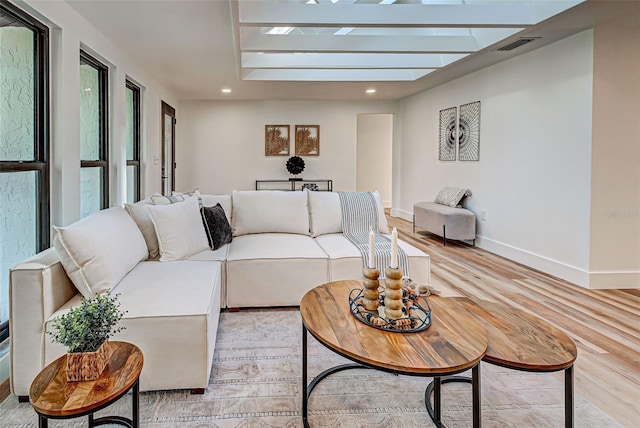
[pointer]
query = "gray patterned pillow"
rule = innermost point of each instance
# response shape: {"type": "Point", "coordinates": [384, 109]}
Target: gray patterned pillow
{"type": "Point", "coordinates": [451, 196]}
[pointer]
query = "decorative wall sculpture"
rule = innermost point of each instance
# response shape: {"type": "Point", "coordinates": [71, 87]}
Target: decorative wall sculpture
{"type": "Point", "coordinates": [469, 132]}
{"type": "Point", "coordinates": [447, 148]}
{"type": "Point", "coordinates": [307, 140]}
{"type": "Point", "coordinates": [276, 140]}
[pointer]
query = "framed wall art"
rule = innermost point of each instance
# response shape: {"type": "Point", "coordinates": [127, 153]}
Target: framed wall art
{"type": "Point", "coordinates": [469, 132]}
{"type": "Point", "coordinates": [307, 140]}
{"type": "Point", "coordinates": [276, 140]}
{"type": "Point", "coordinates": [447, 146]}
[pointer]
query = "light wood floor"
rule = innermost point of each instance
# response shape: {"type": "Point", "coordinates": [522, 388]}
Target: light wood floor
{"type": "Point", "coordinates": [605, 324]}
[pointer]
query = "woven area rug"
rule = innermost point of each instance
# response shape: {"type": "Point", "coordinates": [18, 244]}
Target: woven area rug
{"type": "Point", "coordinates": [255, 382]}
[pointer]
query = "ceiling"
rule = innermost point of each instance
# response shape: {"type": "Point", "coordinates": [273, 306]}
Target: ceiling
{"type": "Point", "coordinates": [335, 49]}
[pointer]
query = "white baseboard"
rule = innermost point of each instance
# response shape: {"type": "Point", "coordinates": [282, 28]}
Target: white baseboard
{"type": "Point", "coordinates": [570, 273]}
{"type": "Point", "coordinates": [602, 280]}
{"type": "Point", "coordinates": [405, 215]}
{"type": "Point", "coordinates": [386, 204]}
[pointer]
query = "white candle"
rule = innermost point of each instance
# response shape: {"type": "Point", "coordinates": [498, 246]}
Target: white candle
{"type": "Point", "coordinates": [394, 248]}
{"type": "Point", "coordinates": [372, 246]}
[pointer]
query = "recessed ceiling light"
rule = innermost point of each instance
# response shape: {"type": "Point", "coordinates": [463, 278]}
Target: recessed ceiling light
{"type": "Point", "coordinates": [371, 91]}
{"type": "Point", "coordinates": [226, 91]}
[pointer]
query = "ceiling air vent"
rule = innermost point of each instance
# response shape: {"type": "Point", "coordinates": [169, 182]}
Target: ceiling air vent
{"type": "Point", "coordinates": [516, 44]}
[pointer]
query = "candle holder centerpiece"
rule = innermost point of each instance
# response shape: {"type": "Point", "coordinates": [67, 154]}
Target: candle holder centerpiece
{"type": "Point", "coordinates": [410, 313]}
{"type": "Point", "coordinates": [399, 308]}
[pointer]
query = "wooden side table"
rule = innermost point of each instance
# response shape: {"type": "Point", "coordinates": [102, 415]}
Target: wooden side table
{"type": "Point", "coordinates": [521, 341]}
{"type": "Point", "coordinates": [53, 397]}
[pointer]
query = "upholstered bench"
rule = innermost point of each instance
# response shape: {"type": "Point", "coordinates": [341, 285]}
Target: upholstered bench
{"type": "Point", "coordinates": [442, 220]}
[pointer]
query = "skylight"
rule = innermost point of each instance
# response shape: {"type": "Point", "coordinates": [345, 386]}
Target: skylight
{"type": "Point", "coordinates": [375, 40]}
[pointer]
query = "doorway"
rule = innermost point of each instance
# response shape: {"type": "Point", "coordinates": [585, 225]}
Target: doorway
{"type": "Point", "coordinates": [374, 151]}
{"type": "Point", "coordinates": [168, 149]}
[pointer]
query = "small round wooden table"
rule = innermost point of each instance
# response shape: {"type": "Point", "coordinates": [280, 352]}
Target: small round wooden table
{"type": "Point", "coordinates": [456, 341]}
{"type": "Point", "coordinates": [521, 341]}
{"type": "Point", "coordinates": [53, 397]}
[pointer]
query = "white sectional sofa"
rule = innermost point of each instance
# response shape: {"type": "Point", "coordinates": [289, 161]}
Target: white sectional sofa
{"type": "Point", "coordinates": [284, 244]}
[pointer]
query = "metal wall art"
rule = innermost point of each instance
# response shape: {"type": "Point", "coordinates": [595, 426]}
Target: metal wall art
{"type": "Point", "coordinates": [447, 148]}
{"type": "Point", "coordinates": [460, 134]}
{"type": "Point", "coordinates": [469, 132]}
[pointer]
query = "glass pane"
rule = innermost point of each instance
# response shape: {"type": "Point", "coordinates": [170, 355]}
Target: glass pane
{"type": "Point", "coordinates": [89, 113]}
{"type": "Point", "coordinates": [129, 122]}
{"type": "Point", "coordinates": [90, 190]}
{"type": "Point", "coordinates": [18, 226]}
{"type": "Point", "coordinates": [132, 183]}
{"type": "Point", "coordinates": [17, 87]}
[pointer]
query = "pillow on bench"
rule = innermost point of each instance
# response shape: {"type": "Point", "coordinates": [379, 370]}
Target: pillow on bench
{"type": "Point", "coordinates": [451, 196]}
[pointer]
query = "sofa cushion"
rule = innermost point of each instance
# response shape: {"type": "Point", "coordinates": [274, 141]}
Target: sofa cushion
{"type": "Point", "coordinates": [269, 212]}
{"type": "Point", "coordinates": [273, 269]}
{"type": "Point", "coordinates": [140, 215]}
{"type": "Point", "coordinates": [179, 229]}
{"type": "Point", "coordinates": [172, 315]}
{"type": "Point", "coordinates": [325, 213]}
{"type": "Point", "coordinates": [223, 200]}
{"type": "Point", "coordinates": [346, 260]}
{"type": "Point", "coordinates": [216, 226]}
{"type": "Point", "coordinates": [99, 250]}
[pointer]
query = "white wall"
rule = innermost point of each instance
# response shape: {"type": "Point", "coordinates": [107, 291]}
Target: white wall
{"type": "Point", "coordinates": [615, 183]}
{"type": "Point", "coordinates": [69, 32]}
{"type": "Point", "coordinates": [533, 176]}
{"type": "Point", "coordinates": [220, 145]}
{"type": "Point", "coordinates": [374, 151]}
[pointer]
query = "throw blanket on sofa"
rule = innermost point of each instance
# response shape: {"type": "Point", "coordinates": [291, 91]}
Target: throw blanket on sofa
{"type": "Point", "coordinates": [359, 216]}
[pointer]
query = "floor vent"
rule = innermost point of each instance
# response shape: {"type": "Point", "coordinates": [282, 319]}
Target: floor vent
{"type": "Point", "coordinates": [516, 44]}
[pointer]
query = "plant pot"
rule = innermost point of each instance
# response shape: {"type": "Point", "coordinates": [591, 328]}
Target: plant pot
{"type": "Point", "coordinates": [87, 365]}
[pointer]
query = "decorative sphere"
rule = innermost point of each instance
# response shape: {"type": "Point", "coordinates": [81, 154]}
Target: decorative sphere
{"type": "Point", "coordinates": [295, 165]}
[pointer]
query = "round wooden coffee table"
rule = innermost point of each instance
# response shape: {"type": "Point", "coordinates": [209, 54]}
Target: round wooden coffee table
{"type": "Point", "coordinates": [455, 342]}
{"type": "Point", "coordinates": [521, 341]}
{"type": "Point", "coordinates": [53, 397]}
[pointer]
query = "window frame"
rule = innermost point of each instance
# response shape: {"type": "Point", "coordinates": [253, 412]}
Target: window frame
{"type": "Point", "coordinates": [103, 112]}
{"type": "Point", "coordinates": [41, 141]}
{"type": "Point", "coordinates": [136, 137]}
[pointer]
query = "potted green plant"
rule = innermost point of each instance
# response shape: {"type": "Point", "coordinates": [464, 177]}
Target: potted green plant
{"type": "Point", "coordinates": [84, 331]}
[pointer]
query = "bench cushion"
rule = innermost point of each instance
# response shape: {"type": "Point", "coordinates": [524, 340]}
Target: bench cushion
{"type": "Point", "coordinates": [460, 223]}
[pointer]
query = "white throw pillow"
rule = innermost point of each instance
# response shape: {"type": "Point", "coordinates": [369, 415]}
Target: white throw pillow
{"type": "Point", "coordinates": [383, 226]}
{"type": "Point", "coordinates": [269, 211]}
{"type": "Point", "coordinates": [325, 213]}
{"type": "Point", "coordinates": [140, 215]}
{"type": "Point", "coordinates": [179, 229]}
{"type": "Point", "coordinates": [99, 250]}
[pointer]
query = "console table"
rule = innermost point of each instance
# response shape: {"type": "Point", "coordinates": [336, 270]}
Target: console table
{"type": "Point", "coordinates": [293, 185]}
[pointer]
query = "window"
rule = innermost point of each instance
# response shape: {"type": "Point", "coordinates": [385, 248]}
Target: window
{"type": "Point", "coordinates": [94, 147]}
{"type": "Point", "coordinates": [132, 100]}
{"type": "Point", "coordinates": [24, 144]}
